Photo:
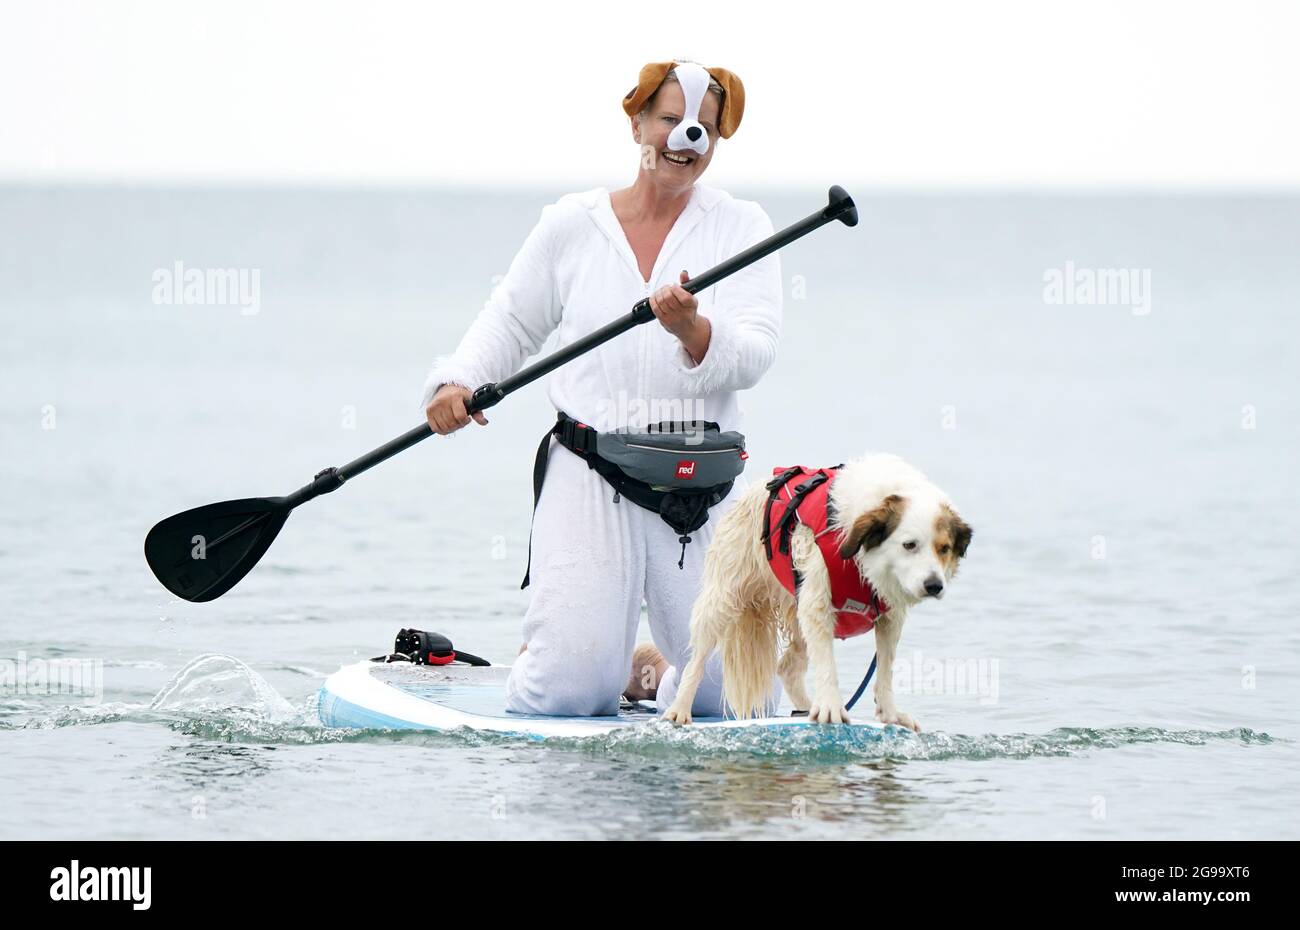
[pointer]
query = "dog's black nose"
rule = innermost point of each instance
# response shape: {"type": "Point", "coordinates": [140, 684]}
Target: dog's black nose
{"type": "Point", "coordinates": [694, 133]}
{"type": "Point", "coordinates": [934, 587]}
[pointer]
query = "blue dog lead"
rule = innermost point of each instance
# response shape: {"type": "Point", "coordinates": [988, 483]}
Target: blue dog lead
{"type": "Point", "coordinates": [862, 687]}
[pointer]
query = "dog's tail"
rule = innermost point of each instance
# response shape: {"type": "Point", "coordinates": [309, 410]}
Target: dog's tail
{"type": "Point", "coordinates": [749, 654]}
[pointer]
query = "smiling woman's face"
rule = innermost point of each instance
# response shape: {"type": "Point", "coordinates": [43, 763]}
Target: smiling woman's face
{"type": "Point", "coordinates": [652, 129]}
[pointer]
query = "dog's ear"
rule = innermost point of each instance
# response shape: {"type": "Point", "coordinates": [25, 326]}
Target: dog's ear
{"type": "Point", "coordinates": [961, 536]}
{"type": "Point", "coordinates": [873, 527]}
{"type": "Point", "coordinates": [952, 536]}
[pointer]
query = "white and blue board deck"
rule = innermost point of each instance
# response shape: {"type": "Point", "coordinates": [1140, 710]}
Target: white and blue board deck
{"type": "Point", "coordinates": [401, 696]}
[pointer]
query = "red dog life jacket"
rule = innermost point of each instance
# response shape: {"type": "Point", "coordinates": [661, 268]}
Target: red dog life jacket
{"type": "Point", "coordinates": [807, 501]}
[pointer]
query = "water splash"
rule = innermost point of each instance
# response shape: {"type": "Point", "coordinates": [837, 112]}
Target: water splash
{"type": "Point", "coordinates": [214, 696]}
{"type": "Point", "coordinates": [844, 744]}
{"type": "Point", "coordinates": [216, 682]}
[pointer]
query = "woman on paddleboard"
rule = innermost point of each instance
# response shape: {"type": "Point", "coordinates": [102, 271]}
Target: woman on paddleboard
{"type": "Point", "coordinates": [596, 555]}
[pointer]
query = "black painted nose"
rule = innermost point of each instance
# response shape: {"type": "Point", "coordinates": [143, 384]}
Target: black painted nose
{"type": "Point", "coordinates": [694, 133]}
{"type": "Point", "coordinates": [934, 587]}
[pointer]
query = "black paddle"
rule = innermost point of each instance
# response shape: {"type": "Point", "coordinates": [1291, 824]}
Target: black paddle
{"type": "Point", "coordinates": [202, 553]}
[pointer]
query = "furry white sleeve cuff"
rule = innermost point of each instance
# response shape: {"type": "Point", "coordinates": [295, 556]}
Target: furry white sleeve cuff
{"type": "Point", "coordinates": [721, 360]}
{"type": "Point", "coordinates": [445, 371]}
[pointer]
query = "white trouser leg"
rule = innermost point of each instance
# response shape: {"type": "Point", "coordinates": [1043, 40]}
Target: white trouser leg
{"type": "Point", "coordinates": [588, 573]}
{"type": "Point", "coordinates": [670, 595]}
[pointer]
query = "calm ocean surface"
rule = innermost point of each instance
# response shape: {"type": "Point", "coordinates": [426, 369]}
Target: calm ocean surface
{"type": "Point", "coordinates": [1130, 604]}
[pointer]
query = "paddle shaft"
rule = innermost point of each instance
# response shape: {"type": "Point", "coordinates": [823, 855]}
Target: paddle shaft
{"type": "Point", "coordinates": [840, 208]}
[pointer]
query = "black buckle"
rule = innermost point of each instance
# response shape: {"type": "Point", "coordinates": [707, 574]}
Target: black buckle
{"type": "Point", "coordinates": [564, 431]}
{"type": "Point", "coordinates": [574, 436]}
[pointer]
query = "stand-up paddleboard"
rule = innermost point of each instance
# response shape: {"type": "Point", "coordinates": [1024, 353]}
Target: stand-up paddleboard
{"type": "Point", "coordinates": [405, 696]}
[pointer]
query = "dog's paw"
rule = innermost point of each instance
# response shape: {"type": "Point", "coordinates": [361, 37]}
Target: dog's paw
{"type": "Point", "coordinates": [828, 713]}
{"type": "Point", "coordinates": [896, 716]}
{"type": "Point", "coordinates": [675, 714]}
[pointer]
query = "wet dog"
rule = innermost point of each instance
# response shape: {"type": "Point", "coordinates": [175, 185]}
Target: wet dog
{"type": "Point", "coordinates": [868, 541]}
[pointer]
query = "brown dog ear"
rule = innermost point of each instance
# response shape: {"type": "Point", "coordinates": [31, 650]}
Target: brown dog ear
{"type": "Point", "coordinates": [733, 100]}
{"type": "Point", "coordinates": [873, 527]}
{"type": "Point", "coordinates": [961, 536]}
{"type": "Point", "coordinates": [651, 76]}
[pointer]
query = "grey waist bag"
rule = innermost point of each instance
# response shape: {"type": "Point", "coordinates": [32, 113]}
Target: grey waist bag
{"type": "Point", "coordinates": [675, 469]}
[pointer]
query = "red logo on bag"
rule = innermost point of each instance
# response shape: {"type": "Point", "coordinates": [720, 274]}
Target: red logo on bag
{"type": "Point", "coordinates": [686, 469]}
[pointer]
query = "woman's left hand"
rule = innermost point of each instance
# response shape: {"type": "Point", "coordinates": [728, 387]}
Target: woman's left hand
{"type": "Point", "coordinates": [677, 310]}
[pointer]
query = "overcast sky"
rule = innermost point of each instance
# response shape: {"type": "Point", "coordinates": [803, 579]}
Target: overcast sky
{"type": "Point", "coordinates": [915, 94]}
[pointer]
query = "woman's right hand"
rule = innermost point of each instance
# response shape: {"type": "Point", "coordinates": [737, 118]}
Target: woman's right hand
{"type": "Point", "coordinates": [447, 411]}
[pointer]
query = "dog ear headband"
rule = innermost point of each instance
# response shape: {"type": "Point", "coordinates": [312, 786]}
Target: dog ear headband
{"type": "Point", "coordinates": [694, 81]}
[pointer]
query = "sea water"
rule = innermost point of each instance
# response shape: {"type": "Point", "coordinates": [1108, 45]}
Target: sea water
{"type": "Point", "coordinates": [1105, 384]}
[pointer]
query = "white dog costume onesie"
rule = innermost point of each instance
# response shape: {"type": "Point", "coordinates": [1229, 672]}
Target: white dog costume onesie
{"type": "Point", "coordinates": [595, 559]}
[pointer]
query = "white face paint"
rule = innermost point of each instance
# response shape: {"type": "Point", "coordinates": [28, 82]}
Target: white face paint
{"type": "Point", "coordinates": [689, 134]}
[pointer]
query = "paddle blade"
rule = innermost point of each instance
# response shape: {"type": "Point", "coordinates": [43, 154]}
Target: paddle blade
{"type": "Point", "coordinates": [202, 553]}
